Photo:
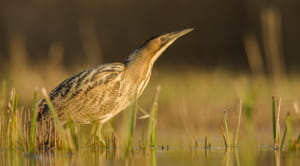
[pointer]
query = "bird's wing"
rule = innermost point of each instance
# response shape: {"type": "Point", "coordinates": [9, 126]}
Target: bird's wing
{"type": "Point", "coordinates": [80, 83]}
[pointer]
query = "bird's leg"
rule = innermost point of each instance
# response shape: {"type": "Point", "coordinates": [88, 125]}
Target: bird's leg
{"type": "Point", "coordinates": [96, 136]}
{"type": "Point", "coordinates": [98, 133]}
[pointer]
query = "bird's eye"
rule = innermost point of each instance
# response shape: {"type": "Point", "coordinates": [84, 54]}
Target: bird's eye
{"type": "Point", "coordinates": [163, 39]}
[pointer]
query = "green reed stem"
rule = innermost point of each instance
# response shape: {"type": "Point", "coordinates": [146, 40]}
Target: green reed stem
{"type": "Point", "coordinates": [227, 133]}
{"type": "Point", "coordinates": [73, 134]}
{"type": "Point", "coordinates": [132, 125]}
{"type": "Point", "coordinates": [152, 129]}
{"type": "Point", "coordinates": [52, 110]}
{"type": "Point", "coordinates": [287, 135]}
{"type": "Point", "coordinates": [33, 123]}
{"type": "Point", "coordinates": [274, 119]}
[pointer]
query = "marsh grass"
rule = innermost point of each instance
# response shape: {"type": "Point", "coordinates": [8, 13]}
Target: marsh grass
{"type": "Point", "coordinates": [239, 109]}
{"type": "Point", "coordinates": [64, 139]}
{"type": "Point", "coordinates": [15, 119]}
{"type": "Point", "coordinates": [32, 132]}
{"type": "Point", "coordinates": [227, 135]}
{"type": "Point", "coordinates": [18, 126]}
{"type": "Point", "coordinates": [12, 122]}
{"type": "Point", "coordinates": [293, 144]}
{"type": "Point", "coordinates": [275, 120]}
{"type": "Point", "coordinates": [287, 134]}
{"type": "Point", "coordinates": [296, 143]}
{"type": "Point", "coordinates": [72, 135]}
{"type": "Point", "coordinates": [152, 126]}
{"type": "Point", "coordinates": [229, 138]}
{"type": "Point", "coordinates": [131, 130]}
{"type": "Point", "coordinates": [18, 133]}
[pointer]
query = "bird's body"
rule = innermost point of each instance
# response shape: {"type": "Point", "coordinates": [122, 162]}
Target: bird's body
{"type": "Point", "coordinates": [98, 94]}
{"type": "Point", "coordinates": [95, 95]}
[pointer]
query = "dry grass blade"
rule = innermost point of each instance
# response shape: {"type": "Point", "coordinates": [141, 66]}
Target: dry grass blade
{"type": "Point", "coordinates": [12, 128]}
{"type": "Point", "coordinates": [239, 122]}
{"type": "Point", "coordinates": [227, 133]}
{"type": "Point", "coordinates": [276, 102]}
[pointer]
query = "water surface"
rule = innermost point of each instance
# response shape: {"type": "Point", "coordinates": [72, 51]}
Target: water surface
{"type": "Point", "coordinates": [175, 156]}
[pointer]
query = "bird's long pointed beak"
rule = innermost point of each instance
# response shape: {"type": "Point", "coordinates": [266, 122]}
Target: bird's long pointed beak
{"type": "Point", "coordinates": [177, 34]}
{"type": "Point", "coordinates": [171, 38]}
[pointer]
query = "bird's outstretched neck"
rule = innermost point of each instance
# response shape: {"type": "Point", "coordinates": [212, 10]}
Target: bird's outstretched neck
{"type": "Point", "coordinates": [143, 58]}
{"type": "Point", "coordinates": [140, 63]}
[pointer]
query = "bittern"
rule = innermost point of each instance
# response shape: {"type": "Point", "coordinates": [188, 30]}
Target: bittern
{"type": "Point", "coordinates": [98, 94]}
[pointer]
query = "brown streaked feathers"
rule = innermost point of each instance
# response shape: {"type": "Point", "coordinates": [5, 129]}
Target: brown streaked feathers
{"type": "Point", "coordinates": [85, 91]}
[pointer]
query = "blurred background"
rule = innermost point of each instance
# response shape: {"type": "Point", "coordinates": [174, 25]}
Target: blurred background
{"type": "Point", "coordinates": [109, 30]}
{"type": "Point", "coordinates": [240, 50]}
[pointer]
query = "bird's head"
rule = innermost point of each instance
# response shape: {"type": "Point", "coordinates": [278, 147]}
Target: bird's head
{"type": "Point", "coordinates": [152, 48]}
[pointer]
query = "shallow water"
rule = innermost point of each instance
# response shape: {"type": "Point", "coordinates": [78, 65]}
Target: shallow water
{"type": "Point", "coordinates": [262, 155]}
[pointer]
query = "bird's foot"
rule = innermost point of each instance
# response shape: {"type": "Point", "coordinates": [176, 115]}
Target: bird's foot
{"type": "Point", "coordinates": [96, 141]}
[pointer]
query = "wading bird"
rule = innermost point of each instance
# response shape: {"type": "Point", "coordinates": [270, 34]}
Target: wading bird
{"type": "Point", "coordinates": [98, 94]}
